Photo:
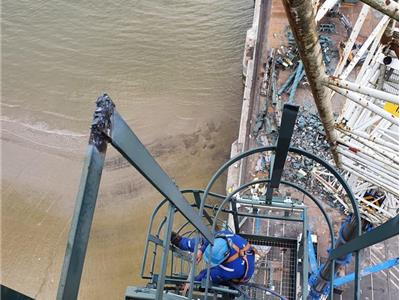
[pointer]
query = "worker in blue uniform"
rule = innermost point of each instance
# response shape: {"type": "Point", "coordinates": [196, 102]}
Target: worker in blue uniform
{"type": "Point", "coordinates": [232, 257]}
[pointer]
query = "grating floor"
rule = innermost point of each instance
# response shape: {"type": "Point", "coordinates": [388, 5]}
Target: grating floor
{"type": "Point", "coordinates": [276, 268]}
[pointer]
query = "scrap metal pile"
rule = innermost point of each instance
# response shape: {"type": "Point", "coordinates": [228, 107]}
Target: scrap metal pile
{"type": "Point", "coordinates": [363, 139]}
{"type": "Point", "coordinates": [368, 126]}
{"type": "Point", "coordinates": [365, 76]}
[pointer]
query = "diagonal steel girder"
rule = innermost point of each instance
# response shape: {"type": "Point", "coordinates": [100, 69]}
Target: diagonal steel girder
{"type": "Point", "coordinates": [108, 126]}
{"type": "Point", "coordinates": [130, 147]}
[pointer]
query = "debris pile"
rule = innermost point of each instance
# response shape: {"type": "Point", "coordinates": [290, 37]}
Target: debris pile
{"type": "Point", "coordinates": [309, 135]}
{"type": "Point", "coordinates": [289, 56]}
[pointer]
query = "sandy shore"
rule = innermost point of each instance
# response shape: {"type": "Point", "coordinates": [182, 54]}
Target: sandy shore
{"type": "Point", "coordinates": [39, 184]}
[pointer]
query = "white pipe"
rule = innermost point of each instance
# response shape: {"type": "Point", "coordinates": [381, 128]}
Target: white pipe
{"type": "Point", "coordinates": [370, 172]}
{"type": "Point", "coordinates": [388, 136]}
{"type": "Point", "coordinates": [393, 168]}
{"type": "Point", "coordinates": [371, 138]}
{"type": "Point", "coordinates": [366, 104]}
{"type": "Point", "coordinates": [365, 90]}
{"type": "Point", "coordinates": [359, 172]}
{"type": "Point", "coordinates": [361, 199]}
{"type": "Point", "coordinates": [395, 134]}
{"type": "Point", "coordinates": [324, 8]}
{"type": "Point", "coordinates": [382, 24]}
{"type": "Point", "coordinates": [377, 149]}
{"type": "Point", "coordinates": [329, 187]}
{"type": "Point", "coordinates": [370, 55]}
{"type": "Point", "coordinates": [351, 116]}
{"type": "Point", "coordinates": [388, 7]}
{"type": "Point", "coordinates": [381, 183]}
{"type": "Point", "coordinates": [383, 124]}
{"type": "Point", "coordinates": [352, 39]}
{"type": "Point", "coordinates": [387, 175]}
{"type": "Point", "coordinates": [365, 125]}
{"type": "Point", "coordinates": [361, 188]}
{"type": "Point", "coordinates": [371, 146]}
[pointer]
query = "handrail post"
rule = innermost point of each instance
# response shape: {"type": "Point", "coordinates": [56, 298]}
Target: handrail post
{"type": "Point", "coordinates": [164, 258]}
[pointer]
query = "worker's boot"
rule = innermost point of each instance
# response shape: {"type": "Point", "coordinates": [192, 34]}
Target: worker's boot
{"type": "Point", "coordinates": [175, 239]}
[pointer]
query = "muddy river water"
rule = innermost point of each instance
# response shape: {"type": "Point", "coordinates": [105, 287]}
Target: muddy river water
{"type": "Point", "coordinates": [173, 69]}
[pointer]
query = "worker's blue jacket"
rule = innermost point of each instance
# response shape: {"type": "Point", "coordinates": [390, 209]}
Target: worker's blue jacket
{"type": "Point", "coordinates": [226, 271]}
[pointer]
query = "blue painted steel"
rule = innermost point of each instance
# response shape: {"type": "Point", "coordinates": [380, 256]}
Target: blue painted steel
{"type": "Point", "coordinates": [345, 259]}
{"type": "Point", "coordinates": [374, 236]}
{"type": "Point", "coordinates": [318, 281]}
{"type": "Point", "coordinates": [286, 84]}
{"type": "Point", "coordinates": [127, 143]}
{"type": "Point", "coordinates": [367, 271]}
{"type": "Point", "coordinates": [299, 75]}
{"type": "Point", "coordinates": [257, 226]}
{"type": "Point", "coordinates": [311, 255]}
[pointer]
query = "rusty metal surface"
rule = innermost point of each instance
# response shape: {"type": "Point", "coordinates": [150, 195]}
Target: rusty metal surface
{"type": "Point", "coordinates": [302, 22]}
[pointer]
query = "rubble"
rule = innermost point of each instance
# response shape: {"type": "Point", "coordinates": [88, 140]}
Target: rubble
{"type": "Point", "coordinates": [309, 135]}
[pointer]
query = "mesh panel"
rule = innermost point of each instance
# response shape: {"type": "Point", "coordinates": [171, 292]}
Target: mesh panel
{"type": "Point", "coordinates": [276, 268]}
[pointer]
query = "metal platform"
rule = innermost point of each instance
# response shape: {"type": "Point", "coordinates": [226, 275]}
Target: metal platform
{"type": "Point", "coordinates": [277, 266]}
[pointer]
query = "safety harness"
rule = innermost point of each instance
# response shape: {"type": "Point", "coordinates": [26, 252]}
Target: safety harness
{"type": "Point", "coordinates": [240, 252]}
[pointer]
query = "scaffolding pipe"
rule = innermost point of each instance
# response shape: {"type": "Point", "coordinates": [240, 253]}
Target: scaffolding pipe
{"type": "Point", "coordinates": [370, 167]}
{"type": "Point", "coordinates": [381, 152]}
{"type": "Point", "coordinates": [324, 8]}
{"type": "Point", "coordinates": [352, 39]}
{"type": "Point", "coordinates": [365, 90]}
{"type": "Point", "coordinates": [377, 30]}
{"type": "Point", "coordinates": [366, 104]}
{"type": "Point", "coordinates": [378, 169]}
{"type": "Point", "coordinates": [355, 170]}
{"type": "Point", "coordinates": [301, 18]}
{"type": "Point", "coordinates": [380, 182]}
{"type": "Point", "coordinates": [372, 138]}
{"type": "Point", "coordinates": [387, 7]}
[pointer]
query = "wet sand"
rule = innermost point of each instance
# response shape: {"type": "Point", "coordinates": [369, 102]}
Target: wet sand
{"type": "Point", "coordinates": [36, 212]}
{"type": "Point", "coordinates": [173, 70]}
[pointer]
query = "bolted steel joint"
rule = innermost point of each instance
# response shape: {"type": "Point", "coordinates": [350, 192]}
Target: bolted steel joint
{"type": "Point", "coordinates": [101, 124]}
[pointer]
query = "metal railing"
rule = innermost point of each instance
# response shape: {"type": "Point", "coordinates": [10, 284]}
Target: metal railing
{"type": "Point", "coordinates": [202, 215]}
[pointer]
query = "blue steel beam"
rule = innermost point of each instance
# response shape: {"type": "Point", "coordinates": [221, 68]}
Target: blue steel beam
{"type": "Point", "coordinates": [376, 235]}
{"type": "Point", "coordinates": [130, 147]}
{"type": "Point", "coordinates": [285, 135]}
{"type": "Point", "coordinates": [367, 271]}
{"type": "Point", "coordinates": [311, 254]}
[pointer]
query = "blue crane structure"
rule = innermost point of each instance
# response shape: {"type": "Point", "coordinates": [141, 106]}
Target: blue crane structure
{"type": "Point", "coordinates": [166, 268]}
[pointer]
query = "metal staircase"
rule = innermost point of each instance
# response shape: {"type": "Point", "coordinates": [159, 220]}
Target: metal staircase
{"type": "Point", "coordinates": [278, 226]}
